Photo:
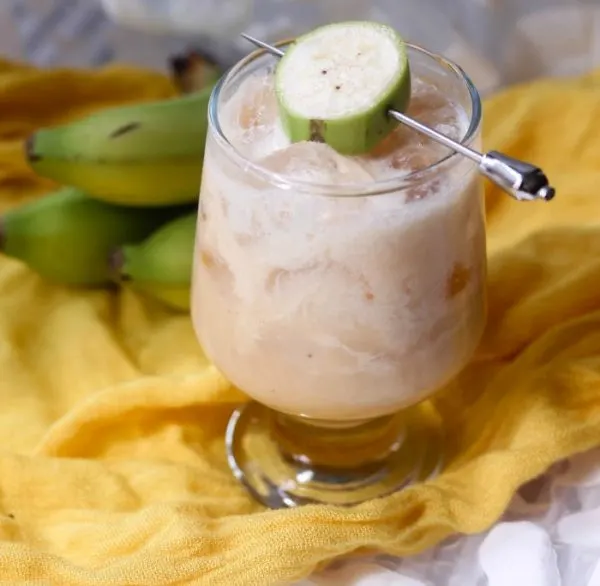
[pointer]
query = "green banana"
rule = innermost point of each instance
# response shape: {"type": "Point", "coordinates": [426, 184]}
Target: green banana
{"type": "Point", "coordinates": [147, 154]}
{"type": "Point", "coordinates": [161, 265]}
{"type": "Point", "coordinates": [67, 236]}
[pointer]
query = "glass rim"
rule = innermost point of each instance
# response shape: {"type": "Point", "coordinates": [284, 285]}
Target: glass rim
{"type": "Point", "coordinates": [375, 187]}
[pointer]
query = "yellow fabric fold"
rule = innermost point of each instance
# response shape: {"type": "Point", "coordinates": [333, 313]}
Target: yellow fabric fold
{"type": "Point", "coordinates": [112, 468]}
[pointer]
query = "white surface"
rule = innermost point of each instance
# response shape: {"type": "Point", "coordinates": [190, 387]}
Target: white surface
{"type": "Point", "coordinates": [519, 554]}
{"type": "Point", "coordinates": [549, 536]}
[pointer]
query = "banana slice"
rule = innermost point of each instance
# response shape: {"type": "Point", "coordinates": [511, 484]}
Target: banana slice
{"type": "Point", "coordinates": [335, 85]}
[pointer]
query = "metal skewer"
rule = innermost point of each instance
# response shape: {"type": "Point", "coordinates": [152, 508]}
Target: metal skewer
{"type": "Point", "coordinates": [519, 179]}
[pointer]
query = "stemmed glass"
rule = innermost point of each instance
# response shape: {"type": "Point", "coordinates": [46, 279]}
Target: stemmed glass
{"type": "Point", "coordinates": [338, 307]}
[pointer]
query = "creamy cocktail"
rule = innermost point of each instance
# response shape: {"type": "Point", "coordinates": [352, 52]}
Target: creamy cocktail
{"type": "Point", "coordinates": [337, 289]}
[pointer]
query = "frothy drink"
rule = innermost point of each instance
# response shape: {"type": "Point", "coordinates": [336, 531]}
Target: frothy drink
{"type": "Point", "coordinates": [335, 287]}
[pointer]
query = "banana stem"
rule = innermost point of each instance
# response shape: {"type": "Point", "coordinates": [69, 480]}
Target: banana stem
{"type": "Point", "coordinates": [116, 261]}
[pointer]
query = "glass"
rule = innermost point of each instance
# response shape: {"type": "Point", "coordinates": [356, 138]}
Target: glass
{"type": "Point", "coordinates": [339, 306]}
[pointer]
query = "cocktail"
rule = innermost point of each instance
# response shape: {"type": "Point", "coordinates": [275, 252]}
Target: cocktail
{"type": "Point", "coordinates": [339, 288]}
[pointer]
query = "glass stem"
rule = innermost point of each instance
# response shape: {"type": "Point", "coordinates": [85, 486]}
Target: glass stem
{"type": "Point", "coordinates": [329, 444]}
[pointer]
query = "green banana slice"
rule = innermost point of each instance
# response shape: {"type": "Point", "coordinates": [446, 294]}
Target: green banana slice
{"type": "Point", "coordinates": [336, 84]}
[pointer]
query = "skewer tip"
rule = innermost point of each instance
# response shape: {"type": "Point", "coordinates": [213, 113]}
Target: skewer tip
{"type": "Point", "coordinates": [546, 193]}
{"type": "Point", "coordinates": [258, 43]}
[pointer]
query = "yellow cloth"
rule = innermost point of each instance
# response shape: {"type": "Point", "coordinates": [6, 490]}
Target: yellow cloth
{"type": "Point", "coordinates": [111, 420]}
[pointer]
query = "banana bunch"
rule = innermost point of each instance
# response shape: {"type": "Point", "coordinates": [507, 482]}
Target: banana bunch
{"type": "Point", "coordinates": [68, 237]}
{"type": "Point", "coordinates": [72, 239]}
{"type": "Point", "coordinates": [126, 211]}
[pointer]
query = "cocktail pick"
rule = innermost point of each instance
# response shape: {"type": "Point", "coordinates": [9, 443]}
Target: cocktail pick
{"type": "Point", "coordinates": [521, 180]}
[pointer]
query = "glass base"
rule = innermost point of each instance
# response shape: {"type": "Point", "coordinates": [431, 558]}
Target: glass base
{"type": "Point", "coordinates": [287, 461]}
